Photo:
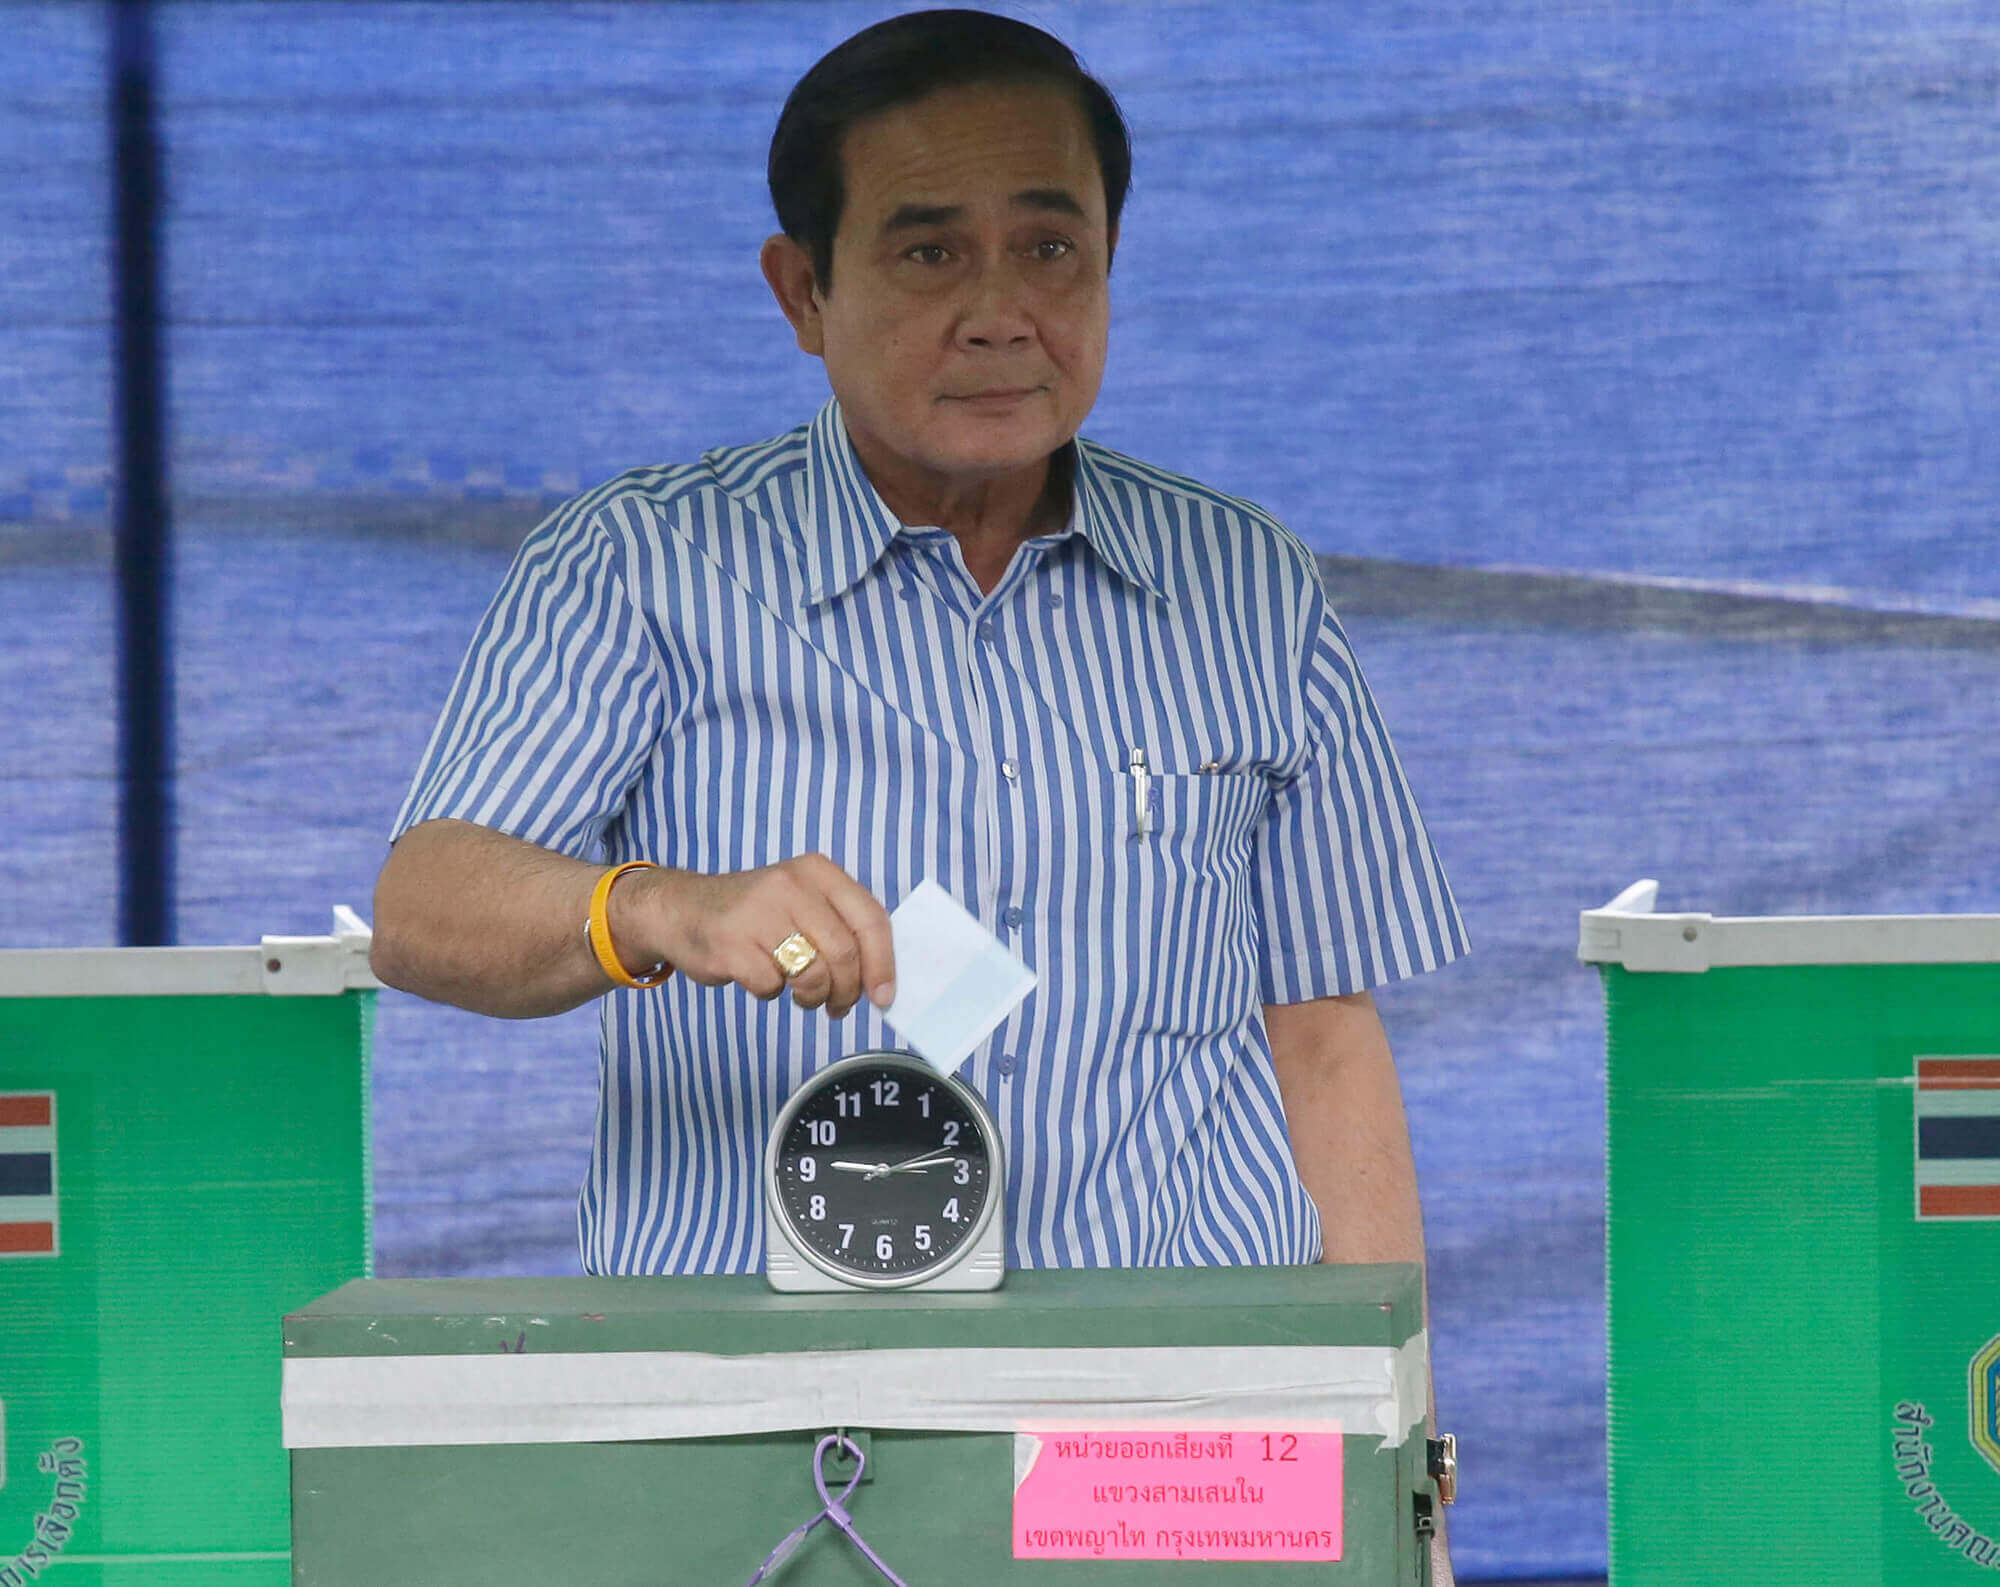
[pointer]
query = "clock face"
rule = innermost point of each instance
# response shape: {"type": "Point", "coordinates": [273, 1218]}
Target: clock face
{"type": "Point", "coordinates": [883, 1169]}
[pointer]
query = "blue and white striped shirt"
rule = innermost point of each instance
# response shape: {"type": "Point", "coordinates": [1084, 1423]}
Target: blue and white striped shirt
{"type": "Point", "coordinates": [720, 665]}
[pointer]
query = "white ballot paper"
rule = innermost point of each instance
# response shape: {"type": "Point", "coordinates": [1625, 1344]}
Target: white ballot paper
{"type": "Point", "coordinates": [955, 980]}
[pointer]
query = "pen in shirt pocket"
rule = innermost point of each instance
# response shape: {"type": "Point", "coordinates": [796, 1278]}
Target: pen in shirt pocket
{"type": "Point", "coordinates": [1142, 778]}
{"type": "Point", "coordinates": [1141, 772]}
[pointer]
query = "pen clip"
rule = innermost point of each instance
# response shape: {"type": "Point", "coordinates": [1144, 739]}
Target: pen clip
{"type": "Point", "coordinates": [1141, 777]}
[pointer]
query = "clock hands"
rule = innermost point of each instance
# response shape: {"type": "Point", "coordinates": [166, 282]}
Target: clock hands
{"type": "Point", "coordinates": [916, 1165]}
{"type": "Point", "coordinates": [910, 1165]}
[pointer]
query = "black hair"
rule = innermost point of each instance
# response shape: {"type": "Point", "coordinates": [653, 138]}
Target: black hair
{"type": "Point", "coordinates": [896, 63]}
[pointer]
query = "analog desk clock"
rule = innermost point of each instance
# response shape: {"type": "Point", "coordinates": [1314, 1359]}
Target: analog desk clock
{"type": "Point", "coordinates": [884, 1173]}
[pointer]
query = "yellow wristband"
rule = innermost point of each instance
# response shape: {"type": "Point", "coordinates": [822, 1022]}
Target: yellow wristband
{"type": "Point", "coordinates": [597, 930]}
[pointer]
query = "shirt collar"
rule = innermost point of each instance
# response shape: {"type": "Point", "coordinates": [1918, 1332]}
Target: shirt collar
{"type": "Point", "coordinates": [848, 526]}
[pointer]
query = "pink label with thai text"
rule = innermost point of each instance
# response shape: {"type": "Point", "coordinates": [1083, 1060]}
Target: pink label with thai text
{"type": "Point", "coordinates": [1178, 1495]}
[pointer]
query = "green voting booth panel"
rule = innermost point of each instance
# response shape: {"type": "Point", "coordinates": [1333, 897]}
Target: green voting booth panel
{"type": "Point", "coordinates": [183, 1159]}
{"type": "Point", "coordinates": [604, 1432]}
{"type": "Point", "coordinates": [1803, 1247]}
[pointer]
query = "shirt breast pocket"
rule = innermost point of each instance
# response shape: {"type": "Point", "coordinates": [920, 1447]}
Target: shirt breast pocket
{"type": "Point", "coordinates": [1203, 825]}
{"type": "Point", "coordinates": [1187, 882]}
{"type": "Point", "coordinates": [1165, 914]}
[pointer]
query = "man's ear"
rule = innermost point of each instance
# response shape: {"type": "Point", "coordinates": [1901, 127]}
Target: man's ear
{"type": "Point", "coordinates": [788, 269]}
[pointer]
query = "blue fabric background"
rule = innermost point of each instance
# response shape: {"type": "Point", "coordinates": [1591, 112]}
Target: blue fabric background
{"type": "Point", "coordinates": [1700, 293]}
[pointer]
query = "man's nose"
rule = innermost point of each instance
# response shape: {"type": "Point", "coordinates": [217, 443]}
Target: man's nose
{"type": "Point", "coordinates": [996, 312]}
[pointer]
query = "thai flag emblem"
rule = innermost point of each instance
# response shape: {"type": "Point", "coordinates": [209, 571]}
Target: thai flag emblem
{"type": "Point", "coordinates": [1958, 1137]}
{"type": "Point", "coordinates": [28, 1224]}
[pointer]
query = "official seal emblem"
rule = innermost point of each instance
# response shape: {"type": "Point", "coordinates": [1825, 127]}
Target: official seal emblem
{"type": "Point", "coordinates": [1984, 1385]}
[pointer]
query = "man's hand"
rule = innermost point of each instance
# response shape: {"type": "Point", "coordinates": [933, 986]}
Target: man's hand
{"type": "Point", "coordinates": [722, 929]}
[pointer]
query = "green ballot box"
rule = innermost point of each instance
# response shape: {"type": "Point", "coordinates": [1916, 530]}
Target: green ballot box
{"type": "Point", "coordinates": [183, 1159]}
{"type": "Point", "coordinates": [1243, 1425]}
{"type": "Point", "coordinates": [1803, 1247]}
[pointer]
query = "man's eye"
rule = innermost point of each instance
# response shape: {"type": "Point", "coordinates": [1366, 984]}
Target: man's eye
{"type": "Point", "coordinates": [1054, 248]}
{"type": "Point", "coordinates": [929, 253]}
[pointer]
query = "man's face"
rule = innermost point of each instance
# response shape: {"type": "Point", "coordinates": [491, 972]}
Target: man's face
{"type": "Point", "coordinates": [965, 332]}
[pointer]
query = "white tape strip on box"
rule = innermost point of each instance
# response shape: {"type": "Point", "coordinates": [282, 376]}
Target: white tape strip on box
{"type": "Point", "coordinates": [341, 1402]}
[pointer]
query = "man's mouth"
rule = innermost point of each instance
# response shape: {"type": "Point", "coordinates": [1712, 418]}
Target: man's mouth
{"type": "Point", "coordinates": [996, 395]}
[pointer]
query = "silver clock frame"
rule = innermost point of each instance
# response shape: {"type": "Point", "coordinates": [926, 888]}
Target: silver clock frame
{"type": "Point", "coordinates": [978, 1263]}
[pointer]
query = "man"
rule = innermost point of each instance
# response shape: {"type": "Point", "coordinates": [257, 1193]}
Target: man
{"type": "Point", "coordinates": [933, 635]}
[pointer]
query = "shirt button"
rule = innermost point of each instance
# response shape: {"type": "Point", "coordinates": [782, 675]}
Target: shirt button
{"type": "Point", "coordinates": [1005, 1065]}
{"type": "Point", "coordinates": [1011, 916]}
{"type": "Point", "coordinates": [989, 631]}
{"type": "Point", "coordinates": [1007, 770]}
{"type": "Point", "coordinates": [1054, 599]}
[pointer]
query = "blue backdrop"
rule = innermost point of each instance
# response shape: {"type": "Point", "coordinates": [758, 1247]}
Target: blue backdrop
{"type": "Point", "coordinates": [1559, 298]}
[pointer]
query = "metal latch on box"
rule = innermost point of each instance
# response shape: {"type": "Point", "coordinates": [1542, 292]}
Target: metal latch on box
{"type": "Point", "coordinates": [840, 1463]}
{"type": "Point", "coordinates": [1441, 1466]}
{"type": "Point", "coordinates": [1441, 1457]}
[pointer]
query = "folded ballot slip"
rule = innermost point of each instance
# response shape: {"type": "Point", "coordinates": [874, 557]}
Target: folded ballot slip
{"type": "Point", "coordinates": [955, 980]}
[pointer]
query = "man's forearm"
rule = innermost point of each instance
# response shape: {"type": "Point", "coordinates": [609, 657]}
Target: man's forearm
{"type": "Point", "coordinates": [470, 916]}
{"type": "Point", "coordinates": [1350, 1138]}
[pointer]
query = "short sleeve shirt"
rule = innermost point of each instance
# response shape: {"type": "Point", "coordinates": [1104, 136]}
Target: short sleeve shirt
{"type": "Point", "coordinates": [721, 665]}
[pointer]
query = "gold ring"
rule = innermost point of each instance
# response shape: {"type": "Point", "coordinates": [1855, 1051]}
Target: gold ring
{"type": "Point", "coordinates": [795, 954]}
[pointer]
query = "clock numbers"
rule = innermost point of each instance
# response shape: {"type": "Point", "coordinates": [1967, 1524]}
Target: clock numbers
{"type": "Point", "coordinates": [961, 1171]}
{"type": "Point", "coordinates": [886, 1093]}
{"type": "Point", "coordinates": [820, 1131]}
{"type": "Point", "coordinates": [816, 1209]}
{"type": "Point", "coordinates": [885, 1248]}
{"type": "Point", "coordinates": [923, 1237]}
{"type": "Point", "coordinates": [951, 1132]}
{"type": "Point", "coordinates": [950, 1213]}
{"type": "Point", "coordinates": [809, 1169]}
{"type": "Point", "coordinates": [849, 1103]}
{"type": "Point", "coordinates": [924, 1104]}
{"type": "Point", "coordinates": [846, 1235]}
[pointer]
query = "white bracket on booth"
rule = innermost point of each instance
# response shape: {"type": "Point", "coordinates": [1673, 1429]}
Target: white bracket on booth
{"type": "Point", "coordinates": [1627, 931]}
{"type": "Point", "coordinates": [276, 966]}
